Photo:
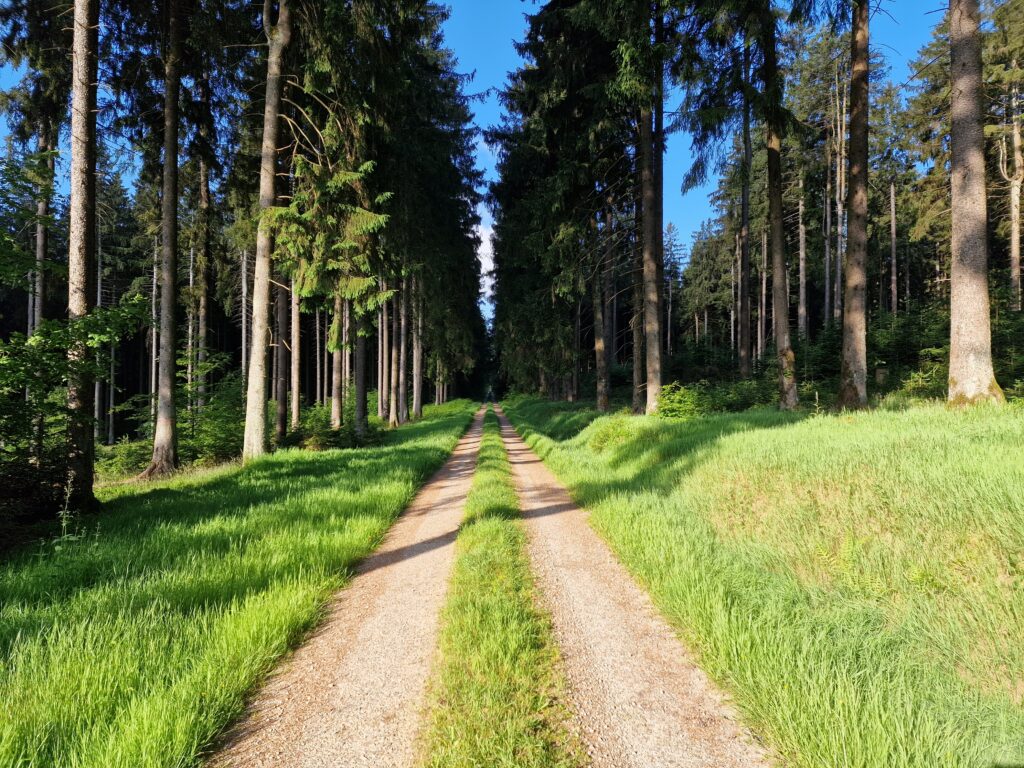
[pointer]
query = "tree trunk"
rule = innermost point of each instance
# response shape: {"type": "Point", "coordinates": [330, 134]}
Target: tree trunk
{"type": "Point", "coordinates": [417, 352]}
{"type": "Point", "coordinates": [1015, 180]}
{"type": "Point", "coordinates": [636, 322]}
{"type": "Point", "coordinates": [393, 354]}
{"type": "Point", "coordinates": [203, 264]}
{"type": "Point", "coordinates": [337, 388]}
{"type": "Point", "coordinates": [278, 37]}
{"type": "Point", "coordinates": [281, 368]}
{"type": "Point", "coordinates": [82, 245]}
{"type": "Point", "coordinates": [971, 377]}
{"type": "Point", "coordinates": [319, 362]}
{"type": "Point", "coordinates": [245, 315]}
{"type": "Point", "coordinates": [840, 192]}
{"type": "Point", "coordinates": [651, 286]}
{"type": "Point", "coordinates": [893, 270]}
{"type": "Point", "coordinates": [600, 353]}
{"type": "Point", "coordinates": [403, 354]}
{"type": "Point", "coordinates": [296, 358]}
{"type": "Point", "coordinates": [361, 421]}
{"type": "Point", "coordinates": [97, 391]}
{"type": "Point", "coordinates": [762, 310]}
{"type": "Point", "coordinates": [780, 301]}
{"type": "Point", "coordinates": [744, 270]}
{"type": "Point", "coordinates": [802, 328]}
{"type": "Point", "coordinates": [853, 380]}
{"type": "Point", "coordinates": [165, 437]}
{"type": "Point", "coordinates": [385, 361]}
{"type": "Point", "coordinates": [827, 205]}
{"type": "Point", "coordinates": [346, 345]}
{"type": "Point", "coordinates": [45, 144]}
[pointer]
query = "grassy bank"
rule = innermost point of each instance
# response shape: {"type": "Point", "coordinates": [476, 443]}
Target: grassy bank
{"type": "Point", "coordinates": [134, 644]}
{"type": "Point", "coordinates": [494, 696]}
{"type": "Point", "coordinates": [855, 580]}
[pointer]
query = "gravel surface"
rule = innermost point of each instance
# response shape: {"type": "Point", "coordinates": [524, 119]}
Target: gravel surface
{"type": "Point", "coordinates": [637, 698]}
{"type": "Point", "coordinates": [352, 695]}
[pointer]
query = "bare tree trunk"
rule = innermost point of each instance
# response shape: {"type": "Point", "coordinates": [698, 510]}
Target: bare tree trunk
{"type": "Point", "coordinates": [296, 358]}
{"type": "Point", "coordinates": [636, 322]}
{"type": "Point", "coordinates": [165, 437]}
{"type": "Point", "coordinates": [380, 363]}
{"type": "Point", "coordinates": [385, 361]}
{"type": "Point", "coordinates": [319, 362]}
{"type": "Point", "coordinates": [780, 300]}
{"type": "Point", "coordinates": [45, 144]}
{"type": "Point", "coordinates": [802, 328]}
{"type": "Point", "coordinates": [893, 266]}
{"type": "Point", "coordinates": [971, 376]}
{"type": "Point", "coordinates": [245, 315]}
{"type": "Point", "coordinates": [651, 285]}
{"type": "Point", "coordinates": [744, 269]}
{"type": "Point", "coordinates": [190, 335]}
{"type": "Point", "coordinates": [97, 396]}
{"type": "Point", "coordinates": [154, 332]}
{"type": "Point", "coordinates": [403, 354]}
{"type": "Point", "coordinates": [840, 191]}
{"type": "Point", "coordinates": [762, 311]}
{"type": "Point", "coordinates": [337, 388]}
{"type": "Point", "coordinates": [278, 37]}
{"type": "Point", "coordinates": [417, 352]}
{"type": "Point", "coordinates": [853, 384]}
{"type": "Point", "coordinates": [81, 245]}
{"type": "Point", "coordinates": [346, 345]}
{"type": "Point", "coordinates": [393, 416]}
{"type": "Point", "coordinates": [1015, 180]}
{"type": "Point", "coordinates": [361, 422]}
{"type": "Point", "coordinates": [281, 366]}
{"type": "Point", "coordinates": [828, 235]}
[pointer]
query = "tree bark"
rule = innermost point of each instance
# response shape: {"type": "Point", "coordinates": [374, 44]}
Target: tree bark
{"type": "Point", "coordinates": [403, 354]}
{"type": "Point", "coordinates": [853, 379]}
{"type": "Point", "coordinates": [744, 269]}
{"type": "Point", "coordinates": [281, 368]}
{"type": "Point", "coordinates": [827, 205]}
{"type": "Point", "coordinates": [245, 315]}
{"type": "Point", "coordinates": [385, 361]}
{"type": "Point", "coordinates": [393, 416]}
{"type": "Point", "coordinates": [840, 192]}
{"type": "Point", "coordinates": [417, 352]}
{"type": "Point", "coordinates": [651, 285]}
{"type": "Point", "coordinates": [203, 264]}
{"type": "Point", "coordinates": [296, 358]}
{"type": "Point", "coordinates": [165, 436]}
{"type": "Point", "coordinates": [971, 376]}
{"type": "Point", "coordinates": [337, 388]}
{"type": "Point", "coordinates": [359, 364]}
{"type": "Point", "coordinates": [601, 322]}
{"type": "Point", "coordinates": [278, 37]}
{"type": "Point", "coordinates": [893, 266]}
{"type": "Point", "coordinates": [636, 322]}
{"type": "Point", "coordinates": [773, 140]}
{"type": "Point", "coordinates": [802, 305]}
{"type": "Point", "coordinates": [81, 246]}
{"type": "Point", "coordinates": [1015, 180]}
{"type": "Point", "coordinates": [762, 310]}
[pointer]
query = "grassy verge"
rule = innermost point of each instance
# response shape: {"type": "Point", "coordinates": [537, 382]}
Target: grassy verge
{"type": "Point", "coordinates": [495, 694]}
{"type": "Point", "coordinates": [134, 644]}
{"type": "Point", "coordinates": [854, 580]}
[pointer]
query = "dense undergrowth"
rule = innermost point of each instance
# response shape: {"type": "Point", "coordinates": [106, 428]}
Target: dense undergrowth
{"type": "Point", "coordinates": [132, 643]}
{"type": "Point", "coordinates": [855, 580]}
{"type": "Point", "coordinates": [495, 694]}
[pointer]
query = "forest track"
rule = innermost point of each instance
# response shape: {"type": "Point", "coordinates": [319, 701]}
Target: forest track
{"type": "Point", "coordinates": [353, 694]}
{"type": "Point", "coordinates": [636, 695]}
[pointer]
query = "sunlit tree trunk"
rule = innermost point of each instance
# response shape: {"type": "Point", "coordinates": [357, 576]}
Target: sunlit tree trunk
{"type": "Point", "coordinates": [853, 380]}
{"type": "Point", "coordinates": [744, 267]}
{"type": "Point", "coordinates": [296, 358]}
{"type": "Point", "coordinates": [393, 356]}
{"type": "Point", "coordinates": [971, 376]}
{"type": "Point", "coordinates": [636, 322]}
{"type": "Point", "coordinates": [1015, 180]}
{"type": "Point", "coordinates": [403, 354]}
{"type": "Point", "coordinates": [802, 305]}
{"type": "Point", "coordinates": [81, 245]}
{"type": "Point", "coordinates": [165, 436]}
{"type": "Point", "coordinates": [893, 266]}
{"type": "Point", "coordinates": [651, 284]}
{"type": "Point", "coordinates": [780, 299]}
{"type": "Point", "coordinates": [359, 364]}
{"type": "Point", "coordinates": [281, 366]}
{"type": "Point", "coordinates": [337, 388]}
{"type": "Point", "coordinates": [417, 352]}
{"type": "Point", "coordinates": [278, 37]}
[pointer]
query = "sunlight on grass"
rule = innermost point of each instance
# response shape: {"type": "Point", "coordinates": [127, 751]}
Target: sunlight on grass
{"type": "Point", "coordinates": [134, 645]}
{"type": "Point", "coordinates": [854, 580]}
{"type": "Point", "coordinates": [494, 698]}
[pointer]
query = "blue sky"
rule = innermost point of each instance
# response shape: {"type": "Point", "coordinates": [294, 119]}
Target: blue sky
{"type": "Point", "coordinates": [481, 33]}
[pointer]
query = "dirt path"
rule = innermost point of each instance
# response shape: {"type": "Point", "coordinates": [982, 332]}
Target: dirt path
{"type": "Point", "coordinates": [637, 698]}
{"type": "Point", "coordinates": [352, 695]}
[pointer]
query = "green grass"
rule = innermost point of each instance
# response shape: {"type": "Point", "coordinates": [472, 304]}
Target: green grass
{"type": "Point", "coordinates": [135, 644]}
{"type": "Point", "coordinates": [495, 694]}
{"type": "Point", "coordinates": [856, 581]}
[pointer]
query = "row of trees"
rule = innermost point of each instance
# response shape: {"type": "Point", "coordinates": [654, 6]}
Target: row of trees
{"type": "Point", "coordinates": [304, 182]}
{"type": "Point", "coordinates": [818, 156]}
